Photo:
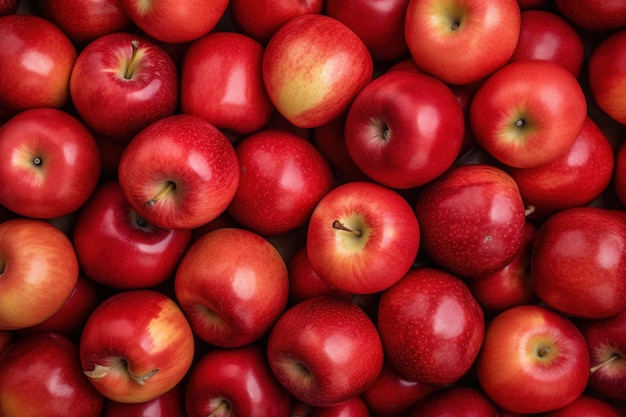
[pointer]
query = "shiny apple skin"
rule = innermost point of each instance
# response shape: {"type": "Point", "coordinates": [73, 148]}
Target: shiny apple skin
{"type": "Point", "coordinates": [578, 263]}
{"type": "Point", "coordinates": [140, 254]}
{"type": "Point", "coordinates": [41, 375]}
{"type": "Point", "coordinates": [240, 378]}
{"type": "Point", "coordinates": [458, 401]}
{"type": "Point", "coordinates": [282, 177]}
{"type": "Point", "coordinates": [170, 404]}
{"type": "Point", "coordinates": [221, 81]}
{"type": "Point", "coordinates": [431, 326]}
{"type": "Point", "coordinates": [26, 41]}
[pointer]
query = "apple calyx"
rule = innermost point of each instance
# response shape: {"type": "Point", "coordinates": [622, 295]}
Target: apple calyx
{"type": "Point", "coordinates": [37, 161]}
{"type": "Point", "coordinates": [543, 351]}
{"type": "Point", "coordinates": [168, 188]}
{"type": "Point", "coordinates": [340, 226]}
{"type": "Point", "coordinates": [101, 371]}
{"type": "Point", "coordinates": [614, 357]}
{"type": "Point", "coordinates": [132, 64]}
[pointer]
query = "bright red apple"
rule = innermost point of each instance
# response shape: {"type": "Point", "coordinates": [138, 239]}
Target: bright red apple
{"type": "Point", "coordinates": [458, 401]}
{"type": "Point", "coordinates": [594, 16]}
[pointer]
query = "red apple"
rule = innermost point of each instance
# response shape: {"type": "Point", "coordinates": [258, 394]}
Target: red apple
{"type": "Point", "coordinates": [578, 262]}
{"type": "Point", "coordinates": [85, 20]}
{"type": "Point", "coordinates": [548, 36]}
{"type": "Point", "coordinates": [606, 339]}
{"type": "Point", "coordinates": [585, 406]}
{"type": "Point", "coordinates": [471, 219]}
{"type": "Point", "coordinates": [235, 382]}
{"type": "Point", "coordinates": [314, 346]}
{"type": "Point", "coordinates": [170, 404]}
{"type": "Point", "coordinates": [36, 58]}
{"type": "Point", "coordinates": [175, 21]}
{"type": "Point", "coordinates": [533, 360]}
{"type": "Point", "coordinates": [404, 129]}
{"type": "Point", "coordinates": [221, 81]}
{"type": "Point", "coordinates": [573, 179]}
{"type": "Point", "coordinates": [443, 36]}
{"type": "Point", "coordinates": [282, 178]}
{"type": "Point", "coordinates": [8, 6]}
{"type": "Point", "coordinates": [380, 25]}
{"type": "Point", "coordinates": [431, 326]}
{"type": "Point", "coordinates": [41, 376]}
{"type": "Point", "coordinates": [139, 254]}
{"type": "Point", "coordinates": [232, 285]}
{"type": "Point", "coordinates": [531, 4]}
{"type": "Point", "coordinates": [136, 346]}
{"type": "Point", "coordinates": [457, 401]}
{"type": "Point", "coordinates": [594, 16]}
{"type": "Point", "coordinates": [313, 67]}
{"type": "Point", "coordinates": [528, 113]}
{"type": "Point", "coordinates": [620, 172]}
{"type": "Point", "coordinates": [260, 19]}
{"type": "Point", "coordinates": [362, 237]}
{"type": "Point", "coordinates": [121, 83]}
{"type": "Point", "coordinates": [7, 337]}
{"type": "Point", "coordinates": [39, 271]}
{"type": "Point", "coordinates": [179, 172]}
{"type": "Point", "coordinates": [353, 407]}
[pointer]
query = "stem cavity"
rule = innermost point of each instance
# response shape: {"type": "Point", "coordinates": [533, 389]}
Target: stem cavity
{"type": "Point", "coordinates": [167, 189]}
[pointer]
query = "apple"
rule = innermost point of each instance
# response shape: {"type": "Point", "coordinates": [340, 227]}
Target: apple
{"type": "Point", "coordinates": [585, 406]}
{"type": "Point", "coordinates": [221, 81]}
{"type": "Point", "coordinates": [85, 20]}
{"type": "Point", "coordinates": [36, 59]}
{"type": "Point", "coordinates": [41, 375]}
{"type": "Point", "coordinates": [573, 179]}
{"type": "Point", "coordinates": [605, 73]}
{"type": "Point", "coordinates": [380, 25]}
{"type": "Point", "coordinates": [282, 177]}
{"type": "Point", "coordinates": [531, 4]}
{"type": "Point", "coordinates": [139, 254]}
{"type": "Point", "coordinates": [353, 407]}
{"type": "Point", "coordinates": [471, 219]}
{"type": "Point", "coordinates": [39, 271]}
{"type": "Point", "coordinates": [235, 382]}
{"type": "Point", "coordinates": [594, 16]}
{"type": "Point", "coordinates": [404, 129]}
{"type": "Point", "coordinates": [606, 339]}
{"type": "Point", "coordinates": [314, 346]}
{"type": "Point", "coordinates": [121, 83]}
{"type": "Point", "coordinates": [179, 172]}
{"type": "Point", "coordinates": [620, 172]}
{"type": "Point", "coordinates": [458, 401]}
{"type": "Point", "coordinates": [49, 163]}
{"type": "Point", "coordinates": [431, 326]}
{"type": "Point", "coordinates": [8, 6]}
{"type": "Point", "coordinates": [313, 67]}
{"type": "Point", "coordinates": [232, 285]}
{"type": "Point", "coordinates": [578, 262]}
{"type": "Point", "coordinates": [136, 346]}
{"type": "Point", "coordinates": [362, 237]}
{"type": "Point", "coordinates": [545, 35]}
{"type": "Point", "coordinates": [175, 21]}
{"type": "Point", "coordinates": [442, 37]}
{"type": "Point", "coordinates": [528, 113]}
{"type": "Point", "coordinates": [535, 353]}
{"type": "Point", "coordinates": [170, 404]}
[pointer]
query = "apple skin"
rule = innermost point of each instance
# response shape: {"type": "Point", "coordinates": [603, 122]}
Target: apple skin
{"type": "Point", "coordinates": [175, 21]}
{"type": "Point", "coordinates": [442, 36]}
{"type": "Point", "coordinates": [380, 25]}
{"type": "Point", "coordinates": [200, 164]}
{"type": "Point", "coordinates": [606, 75]}
{"type": "Point", "coordinates": [379, 247]}
{"type": "Point", "coordinates": [282, 177]}
{"type": "Point", "coordinates": [528, 113]}
{"type": "Point", "coordinates": [41, 375]}
{"type": "Point", "coordinates": [49, 165]}
{"type": "Point", "coordinates": [578, 262]}
{"type": "Point", "coordinates": [118, 89]}
{"type": "Point", "coordinates": [548, 36]}
{"type": "Point", "coordinates": [26, 41]}
{"type": "Point", "coordinates": [140, 254]}
{"type": "Point", "coordinates": [39, 272]}
{"type": "Point", "coordinates": [620, 172]}
{"type": "Point", "coordinates": [606, 339]}
{"type": "Point", "coordinates": [431, 326]}
{"type": "Point", "coordinates": [458, 401]}
{"type": "Point", "coordinates": [170, 404]}
{"type": "Point", "coordinates": [573, 179]}
{"type": "Point", "coordinates": [314, 345]}
{"type": "Point", "coordinates": [585, 406]}
{"type": "Point", "coordinates": [390, 140]}
{"type": "Point", "coordinates": [297, 63]}
{"type": "Point", "coordinates": [8, 7]}
{"type": "Point", "coordinates": [471, 219]}
{"type": "Point", "coordinates": [353, 407]}
{"type": "Point", "coordinates": [136, 346]}
{"type": "Point", "coordinates": [85, 20]}
{"type": "Point", "coordinates": [594, 16]}
{"type": "Point", "coordinates": [232, 285]}
{"type": "Point", "coordinates": [221, 81]}
{"type": "Point", "coordinates": [536, 353]}
{"type": "Point", "coordinates": [235, 382]}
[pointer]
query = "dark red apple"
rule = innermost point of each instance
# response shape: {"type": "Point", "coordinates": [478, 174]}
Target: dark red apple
{"type": "Point", "coordinates": [457, 401]}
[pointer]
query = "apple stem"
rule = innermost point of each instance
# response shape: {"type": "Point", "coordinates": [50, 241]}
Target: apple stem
{"type": "Point", "coordinates": [221, 411]}
{"type": "Point", "coordinates": [530, 209]}
{"type": "Point", "coordinates": [130, 69]}
{"type": "Point", "coordinates": [340, 226]}
{"type": "Point", "coordinates": [543, 351]}
{"type": "Point", "coordinates": [613, 358]}
{"type": "Point", "coordinates": [169, 187]}
{"type": "Point", "coordinates": [141, 379]}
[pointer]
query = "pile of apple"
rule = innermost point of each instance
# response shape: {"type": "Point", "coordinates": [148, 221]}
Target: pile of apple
{"type": "Point", "coordinates": [280, 208]}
